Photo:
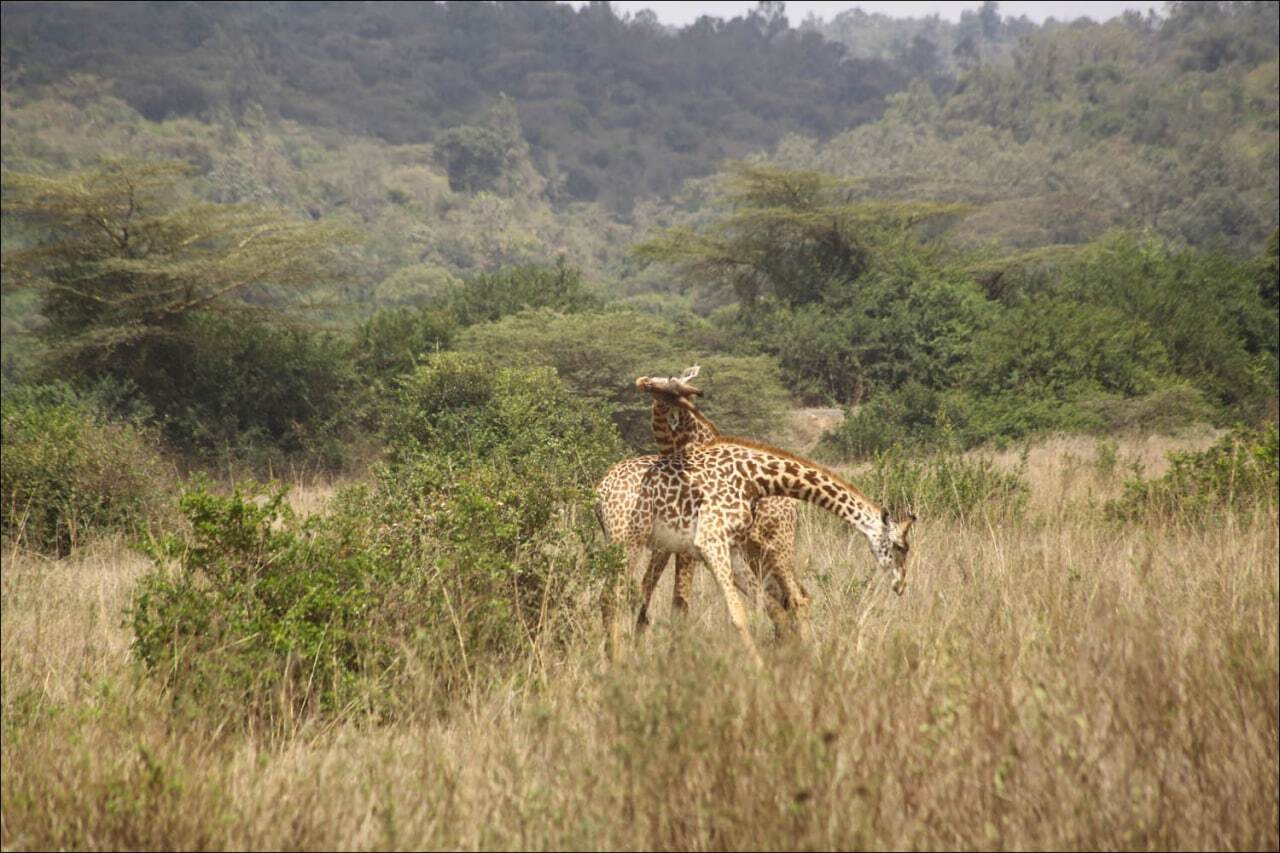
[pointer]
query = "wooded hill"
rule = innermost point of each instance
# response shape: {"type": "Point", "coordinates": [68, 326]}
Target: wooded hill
{"type": "Point", "coordinates": [612, 108]}
{"type": "Point", "coordinates": [1070, 226]}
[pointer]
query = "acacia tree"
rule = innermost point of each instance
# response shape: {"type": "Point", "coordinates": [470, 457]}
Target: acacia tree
{"type": "Point", "coordinates": [184, 302]}
{"type": "Point", "coordinates": [834, 287]}
{"type": "Point", "coordinates": [121, 260]}
{"type": "Point", "coordinates": [789, 234]}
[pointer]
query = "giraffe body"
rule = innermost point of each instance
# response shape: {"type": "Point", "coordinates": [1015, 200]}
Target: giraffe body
{"type": "Point", "coordinates": [701, 501]}
{"type": "Point", "coordinates": [678, 426]}
{"type": "Point", "coordinates": [769, 551]}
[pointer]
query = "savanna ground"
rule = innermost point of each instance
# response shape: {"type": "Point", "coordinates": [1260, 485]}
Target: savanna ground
{"type": "Point", "coordinates": [1058, 680]}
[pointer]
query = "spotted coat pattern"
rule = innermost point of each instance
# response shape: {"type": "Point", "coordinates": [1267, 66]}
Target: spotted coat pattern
{"type": "Point", "coordinates": [678, 425]}
{"type": "Point", "coordinates": [701, 502]}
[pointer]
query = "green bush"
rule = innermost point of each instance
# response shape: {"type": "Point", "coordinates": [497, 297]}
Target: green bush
{"type": "Point", "coordinates": [258, 391]}
{"type": "Point", "coordinates": [945, 485]}
{"type": "Point", "coordinates": [485, 297]}
{"type": "Point", "coordinates": [1163, 410]}
{"type": "Point", "coordinates": [69, 470]}
{"type": "Point", "coordinates": [908, 318]}
{"type": "Point", "coordinates": [1237, 473]}
{"type": "Point", "coordinates": [394, 341]}
{"type": "Point", "coordinates": [474, 546]}
{"type": "Point", "coordinates": [266, 615]}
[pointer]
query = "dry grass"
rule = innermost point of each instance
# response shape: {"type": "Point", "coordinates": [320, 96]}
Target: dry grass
{"type": "Point", "coordinates": [1054, 683]}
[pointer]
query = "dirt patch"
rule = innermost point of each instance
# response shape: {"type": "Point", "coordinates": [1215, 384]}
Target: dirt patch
{"type": "Point", "coordinates": [804, 427]}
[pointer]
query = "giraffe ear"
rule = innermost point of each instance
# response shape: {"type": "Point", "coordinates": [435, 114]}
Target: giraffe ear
{"type": "Point", "coordinates": [884, 518]}
{"type": "Point", "coordinates": [904, 526]}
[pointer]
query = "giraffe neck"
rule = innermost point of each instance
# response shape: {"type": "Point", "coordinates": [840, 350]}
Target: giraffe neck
{"type": "Point", "coordinates": [676, 427]}
{"type": "Point", "coordinates": [778, 473]}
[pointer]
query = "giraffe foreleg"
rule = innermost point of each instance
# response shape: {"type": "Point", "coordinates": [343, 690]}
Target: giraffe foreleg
{"type": "Point", "coordinates": [713, 548]}
{"type": "Point", "coordinates": [779, 568]}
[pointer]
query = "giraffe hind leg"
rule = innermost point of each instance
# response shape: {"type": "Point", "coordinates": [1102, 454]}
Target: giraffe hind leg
{"type": "Point", "coordinates": [657, 565]}
{"type": "Point", "coordinates": [683, 585]}
{"type": "Point", "coordinates": [780, 569]}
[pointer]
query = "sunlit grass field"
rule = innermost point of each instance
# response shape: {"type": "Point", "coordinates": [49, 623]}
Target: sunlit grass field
{"type": "Point", "coordinates": [1056, 681]}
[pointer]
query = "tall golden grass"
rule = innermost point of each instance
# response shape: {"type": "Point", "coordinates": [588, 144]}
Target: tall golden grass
{"type": "Point", "coordinates": [1054, 682]}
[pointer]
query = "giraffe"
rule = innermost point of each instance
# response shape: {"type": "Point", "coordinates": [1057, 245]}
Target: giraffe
{"type": "Point", "coordinates": [701, 501]}
{"type": "Point", "coordinates": [678, 425]}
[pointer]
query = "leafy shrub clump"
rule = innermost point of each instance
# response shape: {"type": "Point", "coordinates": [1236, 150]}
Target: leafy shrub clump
{"type": "Point", "coordinates": [945, 485]}
{"type": "Point", "coordinates": [69, 470]}
{"type": "Point", "coordinates": [264, 612]}
{"type": "Point", "coordinates": [1237, 473]}
{"type": "Point", "coordinates": [473, 548]}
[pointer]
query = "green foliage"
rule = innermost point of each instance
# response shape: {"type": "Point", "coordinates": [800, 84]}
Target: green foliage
{"type": "Point", "coordinates": [910, 317]}
{"type": "Point", "coordinates": [489, 481]}
{"type": "Point", "coordinates": [460, 403]}
{"type": "Point", "coordinates": [69, 470]}
{"type": "Point", "coordinates": [474, 545]}
{"type": "Point", "coordinates": [485, 297]}
{"type": "Point", "coordinates": [787, 234]}
{"type": "Point", "coordinates": [1203, 307]}
{"type": "Point", "coordinates": [946, 484]}
{"type": "Point", "coordinates": [121, 262]}
{"type": "Point", "coordinates": [182, 303]}
{"type": "Point", "coordinates": [1238, 473]}
{"type": "Point", "coordinates": [474, 157]}
{"type": "Point", "coordinates": [599, 356]}
{"type": "Point", "coordinates": [394, 340]}
{"type": "Point", "coordinates": [615, 107]}
{"type": "Point", "coordinates": [250, 389]}
{"type": "Point", "coordinates": [266, 616]}
{"type": "Point", "coordinates": [1062, 131]}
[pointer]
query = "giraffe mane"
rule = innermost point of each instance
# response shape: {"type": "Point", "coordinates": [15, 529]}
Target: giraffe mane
{"type": "Point", "coordinates": [784, 454]}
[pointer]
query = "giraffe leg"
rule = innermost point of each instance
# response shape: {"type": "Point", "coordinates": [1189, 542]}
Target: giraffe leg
{"type": "Point", "coordinates": [683, 584]}
{"type": "Point", "coordinates": [784, 549]}
{"type": "Point", "coordinates": [757, 576]}
{"type": "Point", "coordinates": [637, 556]}
{"type": "Point", "coordinates": [657, 565]}
{"type": "Point", "coordinates": [781, 568]}
{"type": "Point", "coordinates": [714, 551]}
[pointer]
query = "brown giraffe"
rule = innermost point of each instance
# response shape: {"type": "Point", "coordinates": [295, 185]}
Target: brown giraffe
{"type": "Point", "coordinates": [700, 502]}
{"type": "Point", "coordinates": [678, 425]}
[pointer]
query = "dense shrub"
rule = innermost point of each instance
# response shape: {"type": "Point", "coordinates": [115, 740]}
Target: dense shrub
{"type": "Point", "coordinates": [1204, 308]}
{"type": "Point", "coordinates": [1237, 473]}
{"type": "Point", "coordinates": [485, 297]}
{"type": "Point", "coordinates": [393, 341]}
{"type": "Point", "coordinates": [907, 318]}
{"type": "Point", "coordinates": [944, 485]}
{"type": "Point", "coordinates": [264, 613]}
{"type": "Point", "coordinates": [255, 390]}
{"type": "Point", "coordinates": [69, 470]}
{"type": "Point", "coordinates": [474, 546]}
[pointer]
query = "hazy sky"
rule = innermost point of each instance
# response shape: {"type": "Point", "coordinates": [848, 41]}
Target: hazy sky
{"type": "Point", "coordinates": [681, 12]}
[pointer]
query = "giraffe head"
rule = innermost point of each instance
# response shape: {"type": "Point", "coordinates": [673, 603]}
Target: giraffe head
{"type": "Point", "coordinates": [891, 548]}
{"type": "Point", "coordinates": [672, 387]}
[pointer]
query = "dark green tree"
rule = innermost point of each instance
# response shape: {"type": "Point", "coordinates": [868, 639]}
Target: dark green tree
{"type": "Point", "coordinates": [179, 300]}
